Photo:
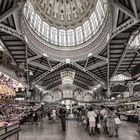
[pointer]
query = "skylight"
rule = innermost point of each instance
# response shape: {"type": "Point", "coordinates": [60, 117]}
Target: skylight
{"type": "Point", "coordinates": [136, 42]}
{"type": "Point", "coordinates": [96, 87]}
{"type": "Point", "coordinates": [66, 37]}
{"type": "Point", "coordinates": [1, 48]}
{"type": "Point", "coordinates": [120, 77]}
{"type": "Point", "coordinates": [67, 77]}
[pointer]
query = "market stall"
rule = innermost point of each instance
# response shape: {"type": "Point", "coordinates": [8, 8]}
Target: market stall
{"type": "Point", "coordinates": [9, 131]}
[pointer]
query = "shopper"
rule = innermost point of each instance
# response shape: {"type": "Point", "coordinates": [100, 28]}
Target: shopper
{"type": "Point", "coordinates": [103, 118]}
{"type": "Point", "coordinates": [54, 114]}
{"type": "Point", "coordinates": [92, 120]}
{"type": "Point", "coordinates": [49, 113]}
{"type": "Point", "coordinates": [62, 115]}
{"type": "Point", "coordinates": [83, 111]}
{"type": "Point", "coordinates": [87, 119]}
{"type": "Point", "coordinates": [111, 124]}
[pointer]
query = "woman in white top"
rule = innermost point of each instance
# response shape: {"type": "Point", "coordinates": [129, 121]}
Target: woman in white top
{"type": "Point", "coordinates": [92, 119]}
{"type": "Point", "coordinates": [54, 114]}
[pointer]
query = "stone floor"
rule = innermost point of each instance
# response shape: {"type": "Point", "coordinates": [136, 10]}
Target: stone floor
{"type": "Point", "coordinates": [52, 131]}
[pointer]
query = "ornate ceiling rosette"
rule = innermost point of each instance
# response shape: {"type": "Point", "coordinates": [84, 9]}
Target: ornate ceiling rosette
{"type": "Point", "coordinates": [64, 13]}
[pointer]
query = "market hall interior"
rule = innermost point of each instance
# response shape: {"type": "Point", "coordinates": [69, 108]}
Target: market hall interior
{"type": "Point", "coordinates": [69, 69]}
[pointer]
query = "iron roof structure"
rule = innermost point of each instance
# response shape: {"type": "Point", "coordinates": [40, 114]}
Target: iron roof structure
{"type": "Point", "coordinates": [115, 58]}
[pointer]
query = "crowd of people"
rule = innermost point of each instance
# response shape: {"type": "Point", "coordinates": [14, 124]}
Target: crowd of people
{"type": "Point", "coordinates": [9, 113]}
{"type": "Point", "coordinates": [99, 119]}
{"type": "Point", "coordinates": [96, 119]}
{"type": "Point", "coordinates": [58, 113]}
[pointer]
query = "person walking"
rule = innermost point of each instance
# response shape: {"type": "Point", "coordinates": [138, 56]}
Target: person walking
{"type": "Point", "coordinates": [103, 118]}
{"type": "Point", "coordinates": [54, 114]}
{"type": "Point", "coordinates": [92, 120]}
{"type": "Point", "coordinates": [112, 125]}
{"type": "Point", "coordinates": [62, 115]}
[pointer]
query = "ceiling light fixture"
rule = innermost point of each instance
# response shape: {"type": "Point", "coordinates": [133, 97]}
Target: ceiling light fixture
{"type": "Point", "coordinates": [67, 61]}
{"type": "Point", "coordinates": [67, 77]}
{"type": "Point", "coordinates": [45, 55]}
{"type": "Point", "coordinates": [90, 54]}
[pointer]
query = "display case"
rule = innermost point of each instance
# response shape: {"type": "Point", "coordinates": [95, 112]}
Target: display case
{"type": "Point", "coordinates": [10, 132]}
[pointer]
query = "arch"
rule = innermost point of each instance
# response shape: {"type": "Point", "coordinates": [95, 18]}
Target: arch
{"type": "Point", "coordinates": [87, 96]}
{"type": "Point", "coordinates": [77, 94]}
{"type": "Point", "coordinates": [57, 94]}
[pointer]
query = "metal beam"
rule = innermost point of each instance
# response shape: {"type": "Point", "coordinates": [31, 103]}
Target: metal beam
{"type": "Point", "coordinates": [52, 83]}
{"type": "Point", "coordinates": [133, 3]}
{"type": "Point", "coordinates": [99, 80]}
{"type": "Point", "coordinates": [98, 64]}
{"type": "Point", "coordinates": [17, 16]}
{"type": "Point", "coordinates": [135, 50]}
{"type": "Point", "coordinates": [115, 83]}
{"type": "Point", "coordinates": [49, 62]}
{"type": "Point", "coordinates": [6, 50]}
{"type": "Point", "coordinates": [115, 17]}
{"type": "Point", "coordinates": [39, 65]}
{"type": "Point", "coordinates": [120, 60]}
{"type": "Point", "coordinates": [100, 57]}
{"type": "Point", "coordinates": [40, 77]}
{"type": "Point", "coordinates": [137, 83]}
{"type": "Point", "coordinates": [124, 9]}
{"type": "Point", "coordinates": [35, 81]}
{"type": "Point", "coordinates": [124, 53]}
{"type": "Point", "coordinates": [58, 66]}
{"type": "Point", "coordinates": [86, 63]}
{"type": "Point", "coordinates": [50, 76]}
{"type": "Point", "coordinates": [27, 76]}
{"type": "Point", "coordinates": [16, 6]}
{"type": "Point", "coordinates": [34, 58]}
{"type": "Point", "coordinates": [81, 82]}
{"type": "Point", "coordinates": [10, 31]}
{"type": "Point", "coordinates": [126, 25]}
{"type": "Point", "coordinates": [108, 74]}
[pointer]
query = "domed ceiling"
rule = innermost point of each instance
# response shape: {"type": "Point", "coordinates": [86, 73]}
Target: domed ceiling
{"type": "Point", "coordinates": [66, 34]}
{"type": "Point", "coordinates": [64, 13]}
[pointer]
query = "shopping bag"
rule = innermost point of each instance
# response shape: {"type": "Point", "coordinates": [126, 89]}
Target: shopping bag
{"type": "Point", "coordinates": [84, 122]}
{"type": "Point", "coordinates": [117, 121]}
{"type": "Point", "coordinates": [99, 125]}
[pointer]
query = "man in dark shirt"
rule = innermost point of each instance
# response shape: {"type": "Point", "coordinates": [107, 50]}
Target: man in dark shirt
{"type": "Point", "coordinates": [1, 113]}
{"type": "Point", "coordinates": [62, 115]}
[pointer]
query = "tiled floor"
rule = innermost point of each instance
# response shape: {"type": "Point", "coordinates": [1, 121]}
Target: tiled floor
{"type": "Point", "coordinates": [52, 131]}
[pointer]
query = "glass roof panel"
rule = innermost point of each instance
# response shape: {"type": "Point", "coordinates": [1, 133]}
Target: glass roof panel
{"type": "Point", "coordinates": [79, 35]}
{"type": "Point", "coordinates": [53, 35]}
{"type": "Point", "coordinates": [67, 37]}
{"type": "Point", "coordinates": [120, 77]}
{"type": "Point", "coordinates": [71, 37]}
{"type": "Point", "coordinates": [1, 46]}
{"type": "Point", "coordinates": [136, 42]}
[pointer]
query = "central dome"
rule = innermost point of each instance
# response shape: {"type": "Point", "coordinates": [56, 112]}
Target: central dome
{"type": "Point", "coordinates": [66, 28]}
{"type": "Point", "coordinates": [64, 13]}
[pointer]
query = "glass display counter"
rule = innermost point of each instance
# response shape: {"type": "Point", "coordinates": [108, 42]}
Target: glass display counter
{"type": "Point", "coordinates": [10, 132]}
